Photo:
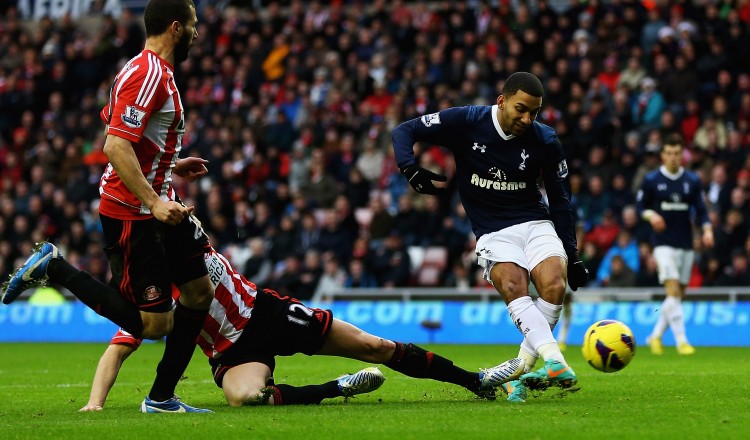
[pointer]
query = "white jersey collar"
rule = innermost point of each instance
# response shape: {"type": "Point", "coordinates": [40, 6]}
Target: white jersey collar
{"type": "Point", "coordinates": [674, 176]}
{"type": "Point", "coordinates": [497, 125]}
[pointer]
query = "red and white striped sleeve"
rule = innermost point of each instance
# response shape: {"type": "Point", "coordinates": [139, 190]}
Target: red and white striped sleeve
{"type": "Point", "coordinates": [138, 92]}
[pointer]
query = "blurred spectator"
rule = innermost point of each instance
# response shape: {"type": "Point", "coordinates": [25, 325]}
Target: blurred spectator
{"type": "Point", "coordinates": [738, 273]}
{"type": "Point", "coordinates": [391, 263]}
{"type": "Point", "coordinates": [311, 273]}
{"type": "Point", "coordinates": [625, 250]}
{"type": "Point", "coordinates": [620, 275]}
{"type": "Point", "coordinates": [358, 276]}
{"type": "Point", "coordinates": [604, 234]}
{"type": "Point", "coordinates": [648, 104]}
{"type": "Point", "coordinates": [333, 277]}
{"type": "Point", "coordinates": [258, 267]}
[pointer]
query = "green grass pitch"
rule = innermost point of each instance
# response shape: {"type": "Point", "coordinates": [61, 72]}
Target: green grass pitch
{"type": "Point", "coordinates": [705, 396]}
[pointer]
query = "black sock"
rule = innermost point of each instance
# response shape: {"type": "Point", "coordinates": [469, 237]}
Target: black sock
{"type": "Point", "coordinates": [99, 297]}
{"type": "Point", "coordinates": [305, 395]}
{"type": "Point", "coordinates": [414, 361]}
{"type": "Point", "coordinates": [178, 351]}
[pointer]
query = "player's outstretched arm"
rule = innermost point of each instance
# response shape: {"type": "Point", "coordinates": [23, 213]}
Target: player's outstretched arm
{"type": "Point", "coordinates": [106, 374]}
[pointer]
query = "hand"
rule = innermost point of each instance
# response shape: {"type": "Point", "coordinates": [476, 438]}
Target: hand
{"type": "Point", "coordinates": [170, 212]}
{"type": "Point", "coordinates": [191, 168]}
{"type": "Point", "coordinates": [421, 179]}
{"type": "Point", "coordinates": [578, 275]}
{"type": "Point", "coordinates": [657, 222]}
{"type": "Point", "coordinates": [91, 407]}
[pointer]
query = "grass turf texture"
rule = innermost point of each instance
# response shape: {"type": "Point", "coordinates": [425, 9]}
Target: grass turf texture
{"type": "Point", "coordinates": [702, 396]}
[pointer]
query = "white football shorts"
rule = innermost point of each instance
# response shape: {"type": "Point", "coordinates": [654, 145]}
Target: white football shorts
{"type": "Point", "coordinates": [674, 263]}
{"type": "Point", "coordinates": [526, 244]}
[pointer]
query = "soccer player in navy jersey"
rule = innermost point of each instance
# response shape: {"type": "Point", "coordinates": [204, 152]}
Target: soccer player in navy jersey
{"type": "Point", "coordinates": [673, 196]}
{"type": "Point", "coordinates": [247, 327]}
{"type": "Point", "coordinates": [500, 151]}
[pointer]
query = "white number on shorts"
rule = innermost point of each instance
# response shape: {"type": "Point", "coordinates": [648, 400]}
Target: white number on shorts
{"type": "Point", "coordinates": [299, 307]}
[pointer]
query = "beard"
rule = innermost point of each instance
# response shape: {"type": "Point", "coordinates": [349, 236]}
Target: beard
{"type": "Point", "coordinates": [182, 48]}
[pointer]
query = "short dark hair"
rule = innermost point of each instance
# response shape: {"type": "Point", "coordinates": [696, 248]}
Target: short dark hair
{"type": "Point", "coordinates": [159, 14]}
{"type": "Point", "coordinates": [672, 140]}
{"type": "Point", "coordinates": [524, 81]}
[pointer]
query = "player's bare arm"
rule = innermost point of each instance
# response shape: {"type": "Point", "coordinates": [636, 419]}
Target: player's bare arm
{"type": "Point", "coordinates": [120, 153]}
{"type": "Point", "coordinates": [106, 375]}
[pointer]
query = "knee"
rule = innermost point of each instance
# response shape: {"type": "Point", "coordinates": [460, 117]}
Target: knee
{"type": "Point", "coordinates": [249, 395]}
{"type": "Point", "coordinates": [554, 290]}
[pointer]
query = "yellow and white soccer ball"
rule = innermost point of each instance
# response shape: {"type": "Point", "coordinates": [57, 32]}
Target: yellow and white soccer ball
{"type": "Point", "coordinates": [608, 345]}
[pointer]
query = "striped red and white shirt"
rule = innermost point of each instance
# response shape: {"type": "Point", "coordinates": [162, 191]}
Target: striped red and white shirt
{"type": "Point", "coordinates": [144, 108]}
{"type": "Point", "coordinates": [230, 310]}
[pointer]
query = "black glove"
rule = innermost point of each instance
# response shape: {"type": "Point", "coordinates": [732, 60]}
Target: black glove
{"type": "Point", "coordinates": [421, 179]}
{"type": "Point", "coordinates": [578, 275]}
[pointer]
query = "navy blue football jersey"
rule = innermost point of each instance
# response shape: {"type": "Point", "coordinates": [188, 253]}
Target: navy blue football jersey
{"type": "Point", "coordinates": [496, 176]}
{"type": "Point", "coordinates": [677, 199]}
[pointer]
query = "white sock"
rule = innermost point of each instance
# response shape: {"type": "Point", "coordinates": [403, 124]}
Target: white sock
{"type": "Point", "coordinates": [534, 327]}
{"type": "Point", "coordinates": [675, 317]}
{"type": "Point", "coordinates": [551, 350]}
{"type": "Point", "coordinates": [528, 354]}
{"type": "Point", "coordinates": [661, 322]}
{"type": "Point", "coordinates": [550, 311]}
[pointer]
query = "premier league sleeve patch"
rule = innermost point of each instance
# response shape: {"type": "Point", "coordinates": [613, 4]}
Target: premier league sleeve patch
{"type": "Point", "coordinates": [562, 169]}
{"type": "Point", "coordinates": [133, 117]}
{"type": "Point", "coordinates": [431, 119]}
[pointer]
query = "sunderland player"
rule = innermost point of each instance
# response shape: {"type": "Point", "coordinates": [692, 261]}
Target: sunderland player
{"type": "Point", "coordinates": [500, 151]}
{"type": "Point", "coordinates": [151, 240]}
{"type": "Point", "coordinates": [673, 196]}
{"type": "Point", "coordinates": [247, 327]}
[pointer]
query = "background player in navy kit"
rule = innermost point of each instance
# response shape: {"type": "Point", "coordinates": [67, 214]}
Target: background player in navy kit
{"type": "Point", "coordinates": [670, 196]}
{"type": "Point", "coordinates": [500, 151]}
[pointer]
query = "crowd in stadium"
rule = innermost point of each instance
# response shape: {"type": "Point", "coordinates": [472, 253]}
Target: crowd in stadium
{"type": "Point", "coordinates": [293, 105]}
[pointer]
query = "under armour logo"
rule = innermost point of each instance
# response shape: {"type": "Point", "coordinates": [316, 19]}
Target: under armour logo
{"type": "Point", "coordinates": [481, 148]}
{"type": "Point", "coordinates": [524, 156]}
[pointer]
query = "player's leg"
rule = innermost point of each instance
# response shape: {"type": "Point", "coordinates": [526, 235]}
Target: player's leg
{"type": "Point", "coordinates": [46, 264]}
{"type": "Point", "coordinates": [546, 258]}
{"type": "Point", "coordinates": [250, 382]}
{"type": "Point", "coordinates": [139, 272]}
{"type": "Point", "coordinates": [676, 292]}
{"type": "Point", "coordinates": [674, 272]}
{"type": "Point", "coordinates": [184, 247]}
{"type": "Point", "coordinates": [502, 254]}
{"type": "Point", "coordinates": [244, 384]}
{"type": "Point", "coordinates": [549, 276]}
{"type": "Point", "coordinates": [346, 340]}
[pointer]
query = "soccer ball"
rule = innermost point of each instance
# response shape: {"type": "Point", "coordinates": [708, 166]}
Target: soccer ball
{"type": "Point", "coordinates": [608, 345]}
